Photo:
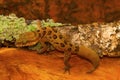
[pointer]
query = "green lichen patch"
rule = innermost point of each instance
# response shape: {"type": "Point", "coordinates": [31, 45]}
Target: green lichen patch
{"type": "Point", "coordinates": [11, 27]}
{"type": "Point", "coordinates": [51, 23]}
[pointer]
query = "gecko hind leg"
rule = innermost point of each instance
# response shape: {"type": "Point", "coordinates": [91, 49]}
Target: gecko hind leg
{"type": "Point", "coordinates": [66, 62]}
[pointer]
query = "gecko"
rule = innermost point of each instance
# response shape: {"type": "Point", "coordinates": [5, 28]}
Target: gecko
{"type": "Point", "coordinates": [50, 35]}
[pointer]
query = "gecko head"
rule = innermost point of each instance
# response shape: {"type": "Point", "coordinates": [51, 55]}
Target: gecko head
{"type": "Point", "coordinates": [27, 39]}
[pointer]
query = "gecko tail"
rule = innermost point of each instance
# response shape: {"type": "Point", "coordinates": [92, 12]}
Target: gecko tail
{"type": "Point", "coordinates": [90, 55]}
{"type": "Point", "coordinates": [93, 69]}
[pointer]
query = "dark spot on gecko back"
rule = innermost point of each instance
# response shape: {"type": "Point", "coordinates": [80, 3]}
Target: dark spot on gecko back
{"type": "Point", "coordinates": [56, 42]}
{"type": "Point", "coordinates": [44, 28]}
{"type": "Point", "coordinates": [60, 36]}
{"type": "Point", "coordinates": [77, 48]}
{"type": "Point", "coordinates": [50, 37]}
{"type": "Point", "coordinates": [54, 36]}
{"type": "Point", "coordinates": [65, 41]}
{"type": "Point", "coordinates": [47, 43]}
{"type": "Point", "coordinates": [62, 45]}
{"type": "Point", "coordinates": [49, 32]}
{"type": "Point", "coordinates": [39, 34]}
{"type": "Point", "coordinates": [55, 30]}
{"type": "Point", "coordinates": [38, 30]}
{"type": "Point", "coordinates": [44, 32]}
{"type": "Point", "coordinates": [69, 49]}
{"type": "Point", "coordinates": [70, 44]}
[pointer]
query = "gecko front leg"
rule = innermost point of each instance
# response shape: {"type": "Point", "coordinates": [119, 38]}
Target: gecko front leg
{"type": "Point", "coordinates": [43, 49]}
{"type": "Point", "coordinates": [46, 47]}
{"type": "Point", "coordinates": [67, 57]}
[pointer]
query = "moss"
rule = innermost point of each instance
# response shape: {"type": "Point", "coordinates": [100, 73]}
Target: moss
{"type": "Point", "coordinates": [51, 23]}
{"type": "Point", "coordinates": [11, 27]}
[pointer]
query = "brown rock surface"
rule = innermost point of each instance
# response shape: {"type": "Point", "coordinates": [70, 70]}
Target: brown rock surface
{"type": "Point", "coordinates": [18, 64]}
{"type": "Point", "coordinates": [71, 11]}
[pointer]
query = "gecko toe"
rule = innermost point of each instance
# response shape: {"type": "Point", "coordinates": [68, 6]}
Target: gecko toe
{"type": "Point", "coordinates": [67, 69]}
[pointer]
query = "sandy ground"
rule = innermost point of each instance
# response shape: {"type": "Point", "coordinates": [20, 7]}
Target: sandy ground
{"type": "Point", "coordinates": [19, 64]}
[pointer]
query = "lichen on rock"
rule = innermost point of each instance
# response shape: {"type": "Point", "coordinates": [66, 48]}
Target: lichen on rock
{"type": "Point", "coordinates": [102, 37]}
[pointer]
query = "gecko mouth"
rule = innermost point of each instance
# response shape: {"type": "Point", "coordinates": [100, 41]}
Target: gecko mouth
{"type": "Point", "coordinates": [22, 44]}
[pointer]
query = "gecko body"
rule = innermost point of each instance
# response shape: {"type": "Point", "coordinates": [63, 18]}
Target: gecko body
{"type": "Point", "coordinates": [52, 36]}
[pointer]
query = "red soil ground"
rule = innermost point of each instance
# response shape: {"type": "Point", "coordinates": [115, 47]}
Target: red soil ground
{"type": "Point", "coordinates": [18, 64]}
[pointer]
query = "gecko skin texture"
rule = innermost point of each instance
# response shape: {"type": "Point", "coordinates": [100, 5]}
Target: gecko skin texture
{"type": "Point", "coordinates": [52, 36]}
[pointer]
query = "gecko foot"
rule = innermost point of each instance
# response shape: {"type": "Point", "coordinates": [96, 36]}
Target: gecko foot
{"type": "Point", "coordinates": [67, 69]}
